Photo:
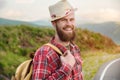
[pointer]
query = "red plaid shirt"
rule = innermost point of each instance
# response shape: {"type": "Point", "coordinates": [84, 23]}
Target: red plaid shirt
{"type": "Point", "coordinates": [47, 64]}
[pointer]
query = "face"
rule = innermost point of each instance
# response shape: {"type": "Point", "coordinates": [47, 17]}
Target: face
{"type": "Point", "coordinates": [65, 28]}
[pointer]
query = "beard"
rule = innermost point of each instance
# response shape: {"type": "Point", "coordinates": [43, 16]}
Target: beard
{"type": "Point", "coordinates": [66, 36]}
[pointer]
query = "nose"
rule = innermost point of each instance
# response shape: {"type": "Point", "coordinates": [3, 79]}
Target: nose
{"type": "Point", "coordinates": [69, 23]}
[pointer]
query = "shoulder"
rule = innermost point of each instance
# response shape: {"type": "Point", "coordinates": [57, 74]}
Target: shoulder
{"type": "Point", "coordinates": [45, 50]}
{"type": "Point", "coordinates": [44, 53]}
{"type": "Point", "coordinates": [76, 48]}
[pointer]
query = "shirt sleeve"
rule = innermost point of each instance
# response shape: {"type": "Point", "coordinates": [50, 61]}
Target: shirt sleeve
{"type": "Point", "coordinates": [42, 68]}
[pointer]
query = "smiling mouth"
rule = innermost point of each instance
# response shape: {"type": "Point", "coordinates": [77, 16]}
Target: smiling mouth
{"type": "Point", "coordinates": [68, 29]}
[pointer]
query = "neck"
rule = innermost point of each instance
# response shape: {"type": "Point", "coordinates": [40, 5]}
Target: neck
{"type": "Point", "coordinates": [61, 42]}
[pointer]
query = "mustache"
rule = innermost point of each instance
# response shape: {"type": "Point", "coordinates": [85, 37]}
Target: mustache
{"type": "Point", "coordinates": [72, 27]}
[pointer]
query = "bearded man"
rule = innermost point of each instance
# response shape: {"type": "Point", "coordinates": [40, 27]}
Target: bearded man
{"type": "Point", "coordinates": [47, 63]}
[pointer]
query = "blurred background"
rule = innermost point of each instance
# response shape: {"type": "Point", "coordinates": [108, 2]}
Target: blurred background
{"type": "Point", "coordinates": [25, 26]}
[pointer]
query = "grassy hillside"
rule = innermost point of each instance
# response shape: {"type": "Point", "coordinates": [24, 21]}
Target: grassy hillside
{"type": "Point", "coordinates": [111, 29]}
{"type": "Point", "coordinates": [17, 42]}
{"type": "Point", "coordinates": [87, 40]}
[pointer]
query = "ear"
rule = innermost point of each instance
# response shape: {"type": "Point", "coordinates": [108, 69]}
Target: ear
{"type": "Point", "coordinates": [53, 23]}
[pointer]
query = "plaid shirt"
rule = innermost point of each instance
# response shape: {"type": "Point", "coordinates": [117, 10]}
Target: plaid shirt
{"type": "Point", "coordinates": [47, 64]}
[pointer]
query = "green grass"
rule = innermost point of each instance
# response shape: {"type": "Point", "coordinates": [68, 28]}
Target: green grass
{"type": "Point", "coordinates": [93, 60]}
{"type": "Point", "coordinates": [9, 62]}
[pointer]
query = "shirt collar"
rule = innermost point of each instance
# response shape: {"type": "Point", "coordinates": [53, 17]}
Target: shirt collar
{"type": "Point", "coordinates": [59, 46]}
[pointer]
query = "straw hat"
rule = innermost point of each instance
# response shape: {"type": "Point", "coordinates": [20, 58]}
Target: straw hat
{"type": "Point", "coordinates": [60, 9]}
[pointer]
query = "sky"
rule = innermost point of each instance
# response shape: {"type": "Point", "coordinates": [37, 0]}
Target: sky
{"type": "Point", "coordinates": [87, 10]}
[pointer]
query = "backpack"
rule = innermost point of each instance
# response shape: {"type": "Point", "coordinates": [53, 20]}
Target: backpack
{"type": "Point", "coordinates": [24, 70]}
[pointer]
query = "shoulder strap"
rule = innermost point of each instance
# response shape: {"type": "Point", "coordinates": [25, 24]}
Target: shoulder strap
{"type": "Point", "coordinates": [55, 48]}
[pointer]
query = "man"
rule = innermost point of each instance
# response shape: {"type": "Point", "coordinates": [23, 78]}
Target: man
{"type": "Point", "coordinates": [47, 64]}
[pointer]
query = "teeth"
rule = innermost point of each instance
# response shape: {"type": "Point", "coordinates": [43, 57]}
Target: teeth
{"type": "Point", "coordinates": [68, 29]}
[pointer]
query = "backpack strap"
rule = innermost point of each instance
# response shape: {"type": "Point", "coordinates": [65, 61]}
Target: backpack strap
{"type": "Point", "coordinates": [55, 48]}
